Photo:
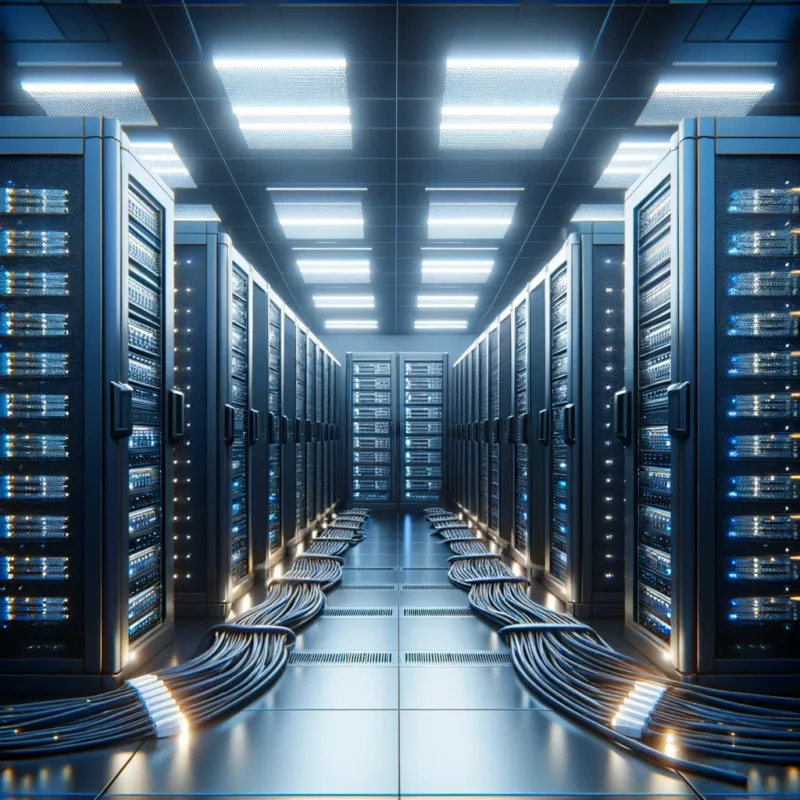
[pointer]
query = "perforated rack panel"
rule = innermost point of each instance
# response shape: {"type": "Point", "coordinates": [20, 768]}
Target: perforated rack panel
{"type": "Point", "coordinates": [300, 428]}
{"type": "Point", "coordinates": [275, 426]}
{"type": "Point", "coordinates": [521, 489]}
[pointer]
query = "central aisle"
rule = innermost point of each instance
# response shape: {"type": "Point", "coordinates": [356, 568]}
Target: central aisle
{"type": "Point", "coordinates": [398, 689]}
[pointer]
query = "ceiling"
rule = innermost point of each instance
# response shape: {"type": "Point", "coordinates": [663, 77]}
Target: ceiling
{"type": "Point", "coordinates": [395, 74]}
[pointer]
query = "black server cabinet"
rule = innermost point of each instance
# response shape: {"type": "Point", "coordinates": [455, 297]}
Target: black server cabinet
{"type": "Point", "coordinates": [504, 475]}
{"type": "Point", "coordinates": [584, 483]}
{"type": "Point", "coordinates": [372, 473]}
{"type": "Point", "coordinates": [214, 367]}
{"type": "Point", "coordinates": [88, 412]}
{"type": "Point", "coordinates": [474, 420]}
{"type": "Point", "coordinates": [290, 429]}
{"type": "Point", "coordinates": [276, 427]}
{"type": "Point", "coordinates": [310, 431]}
{"type": "Point", "coordinates": [422, 423]}
{"type": "Point", "coordinates": [317, 428]}
{"type": "Point", "coordinates": [712, 368]}
{"type": "Point", "coordinates": [481, 436]}
{"type": "Point", "coordinates": [301, 517]}
{"type": "Point", "coordinates": [260, 501]}
{"type": "Point", "coordinates": [492, 431]}
{"type": "Point", "coordinates": [518, 431]}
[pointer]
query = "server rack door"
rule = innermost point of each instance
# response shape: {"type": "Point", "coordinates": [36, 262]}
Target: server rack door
{"type": "Point", "coordinates": [289, 371]}
{"type": "Point", "coordinates": [521, 532]}
{"type": "Point", "coordinates": [261, 496]}
{"type": "Point", "coordinates": [51, 384]}
{"type": "Point", "coordinates": [492, 429]}
{"type": "Point", "coordinates": [746, 430]}
{"type": "Point", "coordinates": [311, 405]}
{"type": "Point", "coordinates": [474, 411]}
{"type": "Point", "coordinates": [506, 409]}
{"type": "Point", "coordinates": [421, 426]}
{"type": "Point", "coordinates": [147, 355]}
{"type": "Point", "coordinates": [300, 429]}
{"type": "Point", "coordinates": [274, 428]}
{"type": "Point", "coordinates": [372, 425]}
{"type": "Point", "coordinates": [600, 586]}
{"type": "Point", "coordinates": [539, 433]}
{"type": "Point", "coordinates": [196, 562]}
{"type": "Point", "coordinates": [319, 400]}
{"type": "Point", "coordinates": [652, 607]}
{"type": "Point", "coordinates": [481, 438]}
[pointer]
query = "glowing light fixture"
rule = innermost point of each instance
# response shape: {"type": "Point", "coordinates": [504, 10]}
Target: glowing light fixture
{"type": "Point", "coordinates": [432, 324]}
{"type": "Point", "coordinates": [344, 301]}
{"type": "Point", "coordinates": [631, 160]}
{"type": "Point", "coordinates": [120, 99]}
{"type": "Point", "coordinates": [321, 220]}
{"type": "Point", "coordinates": [162, 159]}
{"type": "Point", "coordinates": [476, 220]}
{"type": "Point", "coordinates": [195, 213]}
{"type": "Point", "coordinates": [456, 270]}
{"type": "Point", "coordinates": [447, 300]}
{"type": "Point", "coordinates": [599, 213]}
{"type": "Point", "coordinates": [361, 324]}
{"type": "Point", "coordinates": [672, 101]}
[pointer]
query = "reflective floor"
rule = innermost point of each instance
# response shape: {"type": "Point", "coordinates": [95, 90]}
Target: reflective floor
{"type": "Point", "coordinates": [404, 722]}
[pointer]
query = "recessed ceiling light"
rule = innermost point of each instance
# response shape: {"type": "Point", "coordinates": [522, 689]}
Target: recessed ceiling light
{"type": "Point", "coordinates": [331, 189]}
{"type": "Point", "coordinates": [325, 270]}
{"type": "Point", "coordinates": [455, 270]}
{"type": "Point", "coordinates": [264, 95]}
{"type": "Point", "coordinates": [121, 100]}
{"type": "Point", "coordinates": [631, 160]}
{"type": "Point", "coordinates": [447, 300]}
{"type": "Point", "coordinates": [321, 220]}
{"type": "Point", "coordinates": [599, 213]}
{"type": "Point", "coordinates": [673, 101]}
{"type": "Point", "coordinates": [162, 160]}
{"type": "Point", "coordinates": [474, 188]}
{"type": "Point", "coordinates": [501, 103]}
{"type": "Point", "coordinates": [195, 213]}
{"type": "Point", "coordinates": [333, 249]}
{"type": "Point", "coordinates": [449, 247]}
{"type": "Point", "coordinates": [479, 220]}
{"type": "Point", "coordinates": [344, 301]}
{"type": "Point", "coordinates": [431, 324]}
{"type": "Point", "coordinates": [368, 324]}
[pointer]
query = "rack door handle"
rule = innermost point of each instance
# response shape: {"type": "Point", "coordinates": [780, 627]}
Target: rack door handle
{"type": "Point", "coordinates": [569, 423]}
{"type": "Point", "coordinates": [176, 415]}
{"type": "Point", "coordinates": [230, 423]}
{"type": "Point", "coordinates": [284, 428]}
{"type": "Point", "coordinates": [678, 409]}
{"type": "Point", "coordinates": [252, 427]}
{"type": "Point", "coordinates": [121, 410]}
{"type": "Point", "coordinates": [487, 434]}
{"type": "Point", "coordinates": [309, 432]}
{"type": "Point", "coordinates": [510, 428]}
{"type": "Point", "coordinates": [497, 435]}
{"type": "Point", "coordinates": [524, 428]}
{"type": "Point", "coordinates": [298, 429]}
{"type": "Point", "coordinates": [544, 427]}
{"type": "Point", "coordinates": [622, 415]}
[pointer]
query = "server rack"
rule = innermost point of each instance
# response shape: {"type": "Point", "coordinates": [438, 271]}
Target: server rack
{"type": "Point", "coordinates": [518, 431]}
{"type": "Point", "coordinates": [422, 424]}
{"type": "Point", "coordinates": [504, 475]}
{"type": "Point", "coordinates": [584, 478]}
{"type": "Point", "coordinates": [290, 429]}
{"type": "Point", "coordinates": [491, 433]}
{"type": "Point", "coordinates": [214, 367]}
{"type": "Point", "coordinates": [276, 429]}
{"type": "Point", "coordinates": [317, 426]}
{"type": "Point", "coordinates": [481, 436]}
{"type": "Point", "coordinates": [301, 521]}
{"type": "Point", "coordinates": [88, 412]}
{"type": "Point", "coordinates": [372, 474]}
{"type": "Point", "coordinates": [310, 412]}
{"type": "Point", "coordinates": [713, 503]}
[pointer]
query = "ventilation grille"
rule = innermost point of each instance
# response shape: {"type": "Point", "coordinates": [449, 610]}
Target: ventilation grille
{"type": "Point", "coordinates": [369, 587]}
{"type": "Point", "coordinates": [423, 587]}
{"type": "Point", "coordinates": [306, 657]}
{"type": "Point", "coordinates": [437, 612]}
{"type": "Point", "coordinates": [370, 569]}
{"type": "Point", "coordinates": [466, 658]}
{"type": "Point", "coordinates": [358, 612]}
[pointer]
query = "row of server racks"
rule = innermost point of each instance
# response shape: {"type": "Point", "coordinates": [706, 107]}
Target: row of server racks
{"type": "Point", "coordinates": [395, 427]}
{"type": "Point", "coordinates": [645, 428]}
{"type": "Point", "coordinates": [144, 431]}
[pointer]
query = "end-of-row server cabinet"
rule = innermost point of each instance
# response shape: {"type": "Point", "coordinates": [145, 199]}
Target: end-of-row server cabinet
{"type": "Point", "coordinates": [223, 368]}
{"type": "Point", "coordinates": [711, 407]}
{"type": "Point", "coordinates": [576, 464]}
{"type": "Point", "coordinates": [88, 411]}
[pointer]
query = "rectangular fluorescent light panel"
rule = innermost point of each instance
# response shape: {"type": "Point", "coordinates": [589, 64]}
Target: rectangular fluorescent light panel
{"type": "Point", "coordinates": [599, 213]}
{"type": "Point", "coordinates": [448, 270]}
{"type": "Point", "coordinates": [120, 99]}
{"type": "Point", "coordinates": [314, 221]}
{"type": "Point", "coordinates": [442, 324]}
{"type": "Point", "coordinates": [327, 270]}
{"type": "Point", "coordinates": [289, 103]}
{"type": "Point", "coordinates": [673, 101]}
{"type": "Point", "coordinates": [630, 162]}
{"type": "Point", "coordinates": [195, 213]}
{"type": "Point", "coordinates": [162, 160]}
{"type": "Point", "coordinates": [501, 104]}
{"type": "Point", "coordinates": [354, 324]}
{"type": "Point", "coordinates": [469, 220]}
{"type": "Point", "coordinates": [344, 301]}
{"type": "Point", "coordinates": [447, 300]}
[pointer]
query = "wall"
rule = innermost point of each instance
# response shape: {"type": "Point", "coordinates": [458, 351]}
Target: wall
{"type": "Point", "coordinates": [453, 343]}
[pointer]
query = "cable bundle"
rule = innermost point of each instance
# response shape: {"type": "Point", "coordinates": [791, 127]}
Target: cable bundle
{"type": "Point", "coordinates": [235, 662]}
{"type": "Point", "coordinates": [573, 670]}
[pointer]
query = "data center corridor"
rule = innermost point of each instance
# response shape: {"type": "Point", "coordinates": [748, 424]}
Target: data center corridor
{"type": "Point", "coordinates": [432, 707]}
